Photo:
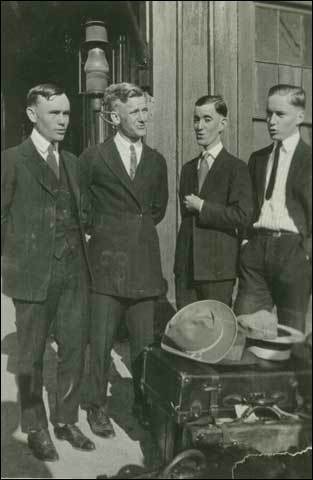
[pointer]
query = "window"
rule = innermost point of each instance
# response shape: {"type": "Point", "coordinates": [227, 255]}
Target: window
{"type": "Point", "coordinates": [283, 51]}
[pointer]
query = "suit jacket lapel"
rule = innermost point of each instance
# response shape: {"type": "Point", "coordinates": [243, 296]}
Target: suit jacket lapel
{"type": "Point", "coordinates": [143, 170]}
{"type": "Point", "coordinates": [295, 164]}
{"type": "Point", "coordinates": [215, 169]}
{"type": "Point", "coordinates": [111, 157]}
{"type": "Point", "coordinates": [37, 167]}
{"type": "Point", "coordinates": [260, 174]}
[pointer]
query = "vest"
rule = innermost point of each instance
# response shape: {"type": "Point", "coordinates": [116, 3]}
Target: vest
{"type": "Point", "coordinates": [67, 233]}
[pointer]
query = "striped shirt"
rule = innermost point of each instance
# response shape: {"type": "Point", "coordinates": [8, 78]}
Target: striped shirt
{"type": "Point", "coordinates": [274, 214]}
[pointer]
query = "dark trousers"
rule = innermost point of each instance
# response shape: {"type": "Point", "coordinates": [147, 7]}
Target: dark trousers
{"type": "Point", "coordinates": [65, 312]}
{"type": "Point", "coordinates": [106, 314]}
{"type": "Point", "coordinates": [275, 271]}
{"type": "Point", "coordinates": [190, 291]}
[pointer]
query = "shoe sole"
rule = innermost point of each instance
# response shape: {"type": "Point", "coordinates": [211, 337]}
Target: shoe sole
{"type": "Point", "coordinates": [110, 435]}
{"type": "Point", "coordinates": [76, 448]}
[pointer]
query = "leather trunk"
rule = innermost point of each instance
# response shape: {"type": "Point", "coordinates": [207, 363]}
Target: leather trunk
{"type": "Point", "coordinates": [186, 390]}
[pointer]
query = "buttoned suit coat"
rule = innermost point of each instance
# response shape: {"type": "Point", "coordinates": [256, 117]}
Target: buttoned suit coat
{"type": "Point", "coordinates": [28, 219]}
{"type": "Point", "coordinates": [124, 250]}
{"type": "Point", "coordinates": [208, 242]}
{"type": "Point", "coordinates": [298, 188]}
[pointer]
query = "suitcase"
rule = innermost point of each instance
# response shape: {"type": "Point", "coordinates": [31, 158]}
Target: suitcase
{"type": "Point", "coordinates": [187, 397]}
{"type": "Point", "coordinates": [187, 390]}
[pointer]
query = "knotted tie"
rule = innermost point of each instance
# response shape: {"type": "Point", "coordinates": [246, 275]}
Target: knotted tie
{"type": "Point", "coordinates": [133, 162]}
{"type": "Point", "coordinates": [271, 183]}
{"type": "Point", "coordinates": [203, 169]}
{"type": "Point", "coordinates": [52, 161]}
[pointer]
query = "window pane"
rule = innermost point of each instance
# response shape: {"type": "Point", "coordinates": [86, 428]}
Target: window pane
{"type": "Point", "coordinates": [307, 41]}
{"type": "Point", "coordinates": [289, 38]}
{"type": "Point", "coordinates": [307, 85]}
{"type": "Point", "coordinates": [266, 44]}
{"type": "Point", "coordinates": [266, 76]}
{"type": "Point", "coordinates": [290, 75]}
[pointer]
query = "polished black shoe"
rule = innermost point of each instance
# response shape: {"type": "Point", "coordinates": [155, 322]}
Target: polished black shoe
{"type": "Point", "coordinates": [74, 436]}
{"type": "Point", "coordinates": [42, 446]}
{"type": "Point", "coordinates": [100, 422]}
{"type": "Point", "coordinates": [142, 413]}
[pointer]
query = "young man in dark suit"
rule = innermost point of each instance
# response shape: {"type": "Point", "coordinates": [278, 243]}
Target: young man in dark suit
{"type": "Point", "coordinates": [276, 260]}
{"type": "Point", "coordinates": [216, 204]}
{"type": "Point", "coordinates": [45, 268]}
{"type": "Point", "coordinates": [127, 184]}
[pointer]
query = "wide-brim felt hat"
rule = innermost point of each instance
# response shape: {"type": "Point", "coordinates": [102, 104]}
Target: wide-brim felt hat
{"type": "Point", "coordinates": [276, 349]}
{"type": "Point", "coordinates": [203, 331]}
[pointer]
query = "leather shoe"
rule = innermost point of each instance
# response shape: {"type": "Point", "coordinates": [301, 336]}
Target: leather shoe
{"type": "Point", "coordinates": [74, 436]}
{"type": "Point", "coordinates": [142, 413]}
{"type": "Point", "coordinates": [42, 446]}
{"type": "Point", "coordinates": [100, 422]}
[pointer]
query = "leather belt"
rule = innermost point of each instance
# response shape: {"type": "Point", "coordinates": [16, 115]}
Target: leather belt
{"type": "Point", "coordinates": [273, 233]}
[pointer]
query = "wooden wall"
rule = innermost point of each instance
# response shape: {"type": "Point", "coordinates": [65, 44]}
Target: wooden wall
{"type": "Point", "coordinates": [180, 76]}
{"type": "Point", "coordinates": [198, 48]}
{"type": "Point", "coordinates": [189, 60]}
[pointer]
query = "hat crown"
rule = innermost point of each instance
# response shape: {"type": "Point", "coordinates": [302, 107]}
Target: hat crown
{"type": "Point", "coordinates": [203, 330]}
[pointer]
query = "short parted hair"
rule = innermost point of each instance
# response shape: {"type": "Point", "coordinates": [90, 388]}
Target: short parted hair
{"type": "Point", "coordinates": [297, 94]}
{"type": "Point", "coordinates": [217, 100]}
{"type": "Point", "coordinates": [46, 90]}
{"type": "Point", "coordinates": [121, 91]}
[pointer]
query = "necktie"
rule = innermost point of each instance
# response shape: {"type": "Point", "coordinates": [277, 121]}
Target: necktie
{"type": "Point", "coordinates": [203, 169]}
{"type": "Point", "coordinates": [133, 162]}
{"type": "Point", "coordinates": [271, 183]}
{"type": "Point", "coordinates": [52, 161]}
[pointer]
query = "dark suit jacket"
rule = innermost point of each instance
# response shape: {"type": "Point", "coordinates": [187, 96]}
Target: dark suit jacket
{"type": "Point", "coordinates": [28, 219]}
{"type": "Point", "coordinates": [211, 237]}
{"type": "Point", "coordinates": [298, 188]}
{"type": "Point", "coordinates": [124, 249]}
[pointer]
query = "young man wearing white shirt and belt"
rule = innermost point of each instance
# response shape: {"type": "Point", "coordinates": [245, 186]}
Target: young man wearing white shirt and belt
{"type": "Point", "coordinates": [276, 260]}
{"type": "Point", "coordinates": [216, 204]}
{"type": "Point", "coordinates": [127, 185]}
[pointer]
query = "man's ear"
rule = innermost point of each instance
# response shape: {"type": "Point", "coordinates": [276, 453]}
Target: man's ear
{"type": "Point", "coordinates": [115, 118]}
{"type": "Point", "coordinates": [223, 124]}
{"type": "Point", "coordinates": [31, 113]}
{"type": "Point", "coordinates": [300, 117]}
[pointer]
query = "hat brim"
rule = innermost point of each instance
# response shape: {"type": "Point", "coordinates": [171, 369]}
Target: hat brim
{"type": "Point", "coordinates": [213, 353]}
{"type": "Point", "coordinates": [279, 348]}
{"type": "Point", "coordinates": [286, 336]}
{"type": "Point", "coordinates": [248, 358]}
{"type": "Point", "coordinates": [270, 354]}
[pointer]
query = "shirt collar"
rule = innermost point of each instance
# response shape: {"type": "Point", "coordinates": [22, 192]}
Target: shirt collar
{"type": "Point", "coordinates": [40, 142]}
{"type": "Point", "coordinates": [214, 151]}
{"type": "Point", "coordinates": [125, 143]}
{"type": "Point", "coordinates": [290, 143]}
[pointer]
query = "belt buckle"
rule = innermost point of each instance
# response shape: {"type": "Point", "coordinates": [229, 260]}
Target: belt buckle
{"type": "Point", "coordinates": [277, 234]}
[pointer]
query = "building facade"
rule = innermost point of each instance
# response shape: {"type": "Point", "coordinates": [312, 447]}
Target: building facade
{"type": "Point", "coordinates": [177, 51]}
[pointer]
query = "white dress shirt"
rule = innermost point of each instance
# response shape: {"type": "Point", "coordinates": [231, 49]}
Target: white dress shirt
{"type": "Point", "coordinates": [41, 145]}
{"type": "Point", "coordinates": [122, 145]}
{"type": "Point", "coordinates": [274, 214]}
{"type": "Point", "coordinates": [212, 154]}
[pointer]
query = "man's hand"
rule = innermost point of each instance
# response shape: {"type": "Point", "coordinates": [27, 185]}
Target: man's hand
{"type": "Point", "coordinates": [193, 203]}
